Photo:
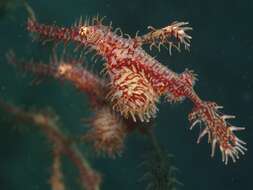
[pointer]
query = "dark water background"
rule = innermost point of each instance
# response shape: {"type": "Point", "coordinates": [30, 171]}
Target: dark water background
{"type": "Point", "coordinates": [221, 54]}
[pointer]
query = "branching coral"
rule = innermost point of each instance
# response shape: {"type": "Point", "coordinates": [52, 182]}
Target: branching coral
{"type": "Point", "coordinates": [160, 172]}
{"type": "Point", "coordinates": [62, 145]}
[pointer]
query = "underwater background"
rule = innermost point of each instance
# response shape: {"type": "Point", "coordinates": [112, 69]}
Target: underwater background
{"type": "Point", "coordinates": [221, 55]}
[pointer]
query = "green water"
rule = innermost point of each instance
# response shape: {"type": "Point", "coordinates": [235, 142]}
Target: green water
{"type": "Point", "coordinates": [221, 54]}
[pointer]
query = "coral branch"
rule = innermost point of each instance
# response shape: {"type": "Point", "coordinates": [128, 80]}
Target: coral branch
{"type": "Point", "coordinates": [90, 179]}
{"type": "Point", "coordinates": [56, 179]}
{"type": "Point", "coordinates": [160, 174]}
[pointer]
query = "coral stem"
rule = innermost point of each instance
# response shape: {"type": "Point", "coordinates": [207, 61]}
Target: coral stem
{"type": "Point", "coordinates": [56, 179]}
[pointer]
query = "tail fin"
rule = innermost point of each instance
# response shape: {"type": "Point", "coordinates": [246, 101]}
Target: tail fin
{"type": "Point", "coordinates": [219, 131]}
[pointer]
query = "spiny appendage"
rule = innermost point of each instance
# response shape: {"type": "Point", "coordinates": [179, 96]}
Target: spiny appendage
{"type": "Point", "coordinates": [164, 36]}
{"type": "Point", "coordinates": [107, 133]}
{"type": "Point", "coordinates": [63, 69]}
{"type": "Point", "coordinates": [81, 78]}
{"type": "Point", "coordinates": [189, 77]}
{"type": "Point", "coordinates": [132, 95]}
{"type": "Point", "coordinates": [89, 21]}
{"type": "Point", "coordinates": [31, 66]}
{"type": "Point", "coordinates": [219, 131]}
